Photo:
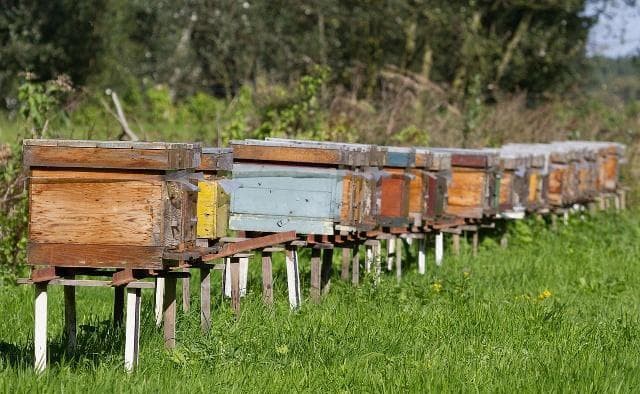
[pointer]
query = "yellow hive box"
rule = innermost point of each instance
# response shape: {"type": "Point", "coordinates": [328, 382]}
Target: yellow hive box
{"type": "Point", "coordinates": [212, 209]}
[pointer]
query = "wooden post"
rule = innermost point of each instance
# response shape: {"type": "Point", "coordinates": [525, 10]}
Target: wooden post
{"type": "Point", "coordinates": [159, 300]}
{"type": "Point", "coordinates": [244, 275]}
{"type": "Point", "coordinates": [226, 278]}
{"type": "Point", "coordinates": [118, 306]}
{"type": "Point", "coordinates": [504, 241]}
{"type": "Point", "coordinates": [456, 244]}
{"type": "Point", "coordinates": [40, 327]}
{"type": "Point", "coordinates": [623, 199]}
{"type": "Point", "coordinates": [132, 335]}
{"type": "Point", "coordinates": [169, 307]}
{"type": "Point", "coordinates": [205, 299]}
{"type": "Point", "coordinates": [293, 277]}
{"type": "Point", "coordinates": [422, 256]}
{"type": "Point", "coordinates": [398, 258]}
{"type": "Point", "coordinates": [391, 253]}
{"type": "Point", "coordinates": [602, 202]}
{"type": "Point", "coordinates": [267, 278]}
{"type": "Point", "coordinates": [439, 248]}
{"type": "Point", "coordinates": [474, 238]}
{"type": "Point", "coordinates": [554, 221]}
{"type": "Point", "coordinates": [355, 266]}
{"type": "Point", "coordinates": [70, 327]}
{"type": "Point", "coordinates": [315, 289]}
{"type": "Point", "coordinates": [565, 217]}
{"type": "Point", "coordinates": [326, 270]}
{"type": "Point", "coordinates": [377, 258]}
{"type": "Point", "coordinates": [186, 292]}
{"type": "Point", "coordinates": [346, 261]}
{"type": "Point", "coordinates": [235, 284]}
{"type": "Point", "coordinates": [368, 258]}
{"type": "Point", "coordinates": [616, 202]}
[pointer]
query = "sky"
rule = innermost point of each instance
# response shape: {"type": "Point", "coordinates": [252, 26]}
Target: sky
{"type": "Point", "coordinates": [618, 33]}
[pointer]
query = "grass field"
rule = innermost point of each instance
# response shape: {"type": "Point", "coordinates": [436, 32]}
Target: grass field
{"type": "Point", "coordinates": [556, 311]}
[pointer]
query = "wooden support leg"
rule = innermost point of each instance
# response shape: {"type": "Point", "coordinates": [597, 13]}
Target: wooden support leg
{"type": "Point", "coordinates": [186, 293]}
{"type": "Point", "coordinates": [422, 256]}
{"type": "Point", "coordinates": [474, 238]}
{"type": "Point", "coordinates": [456, 244]}
{"type": "Point", "coordinates": [346, 262]}
{"type": "Point", "coordinates": [326, 270]}
{"type": "Point", "coordinates": [267, 278]}
{"type": "Point", "coordinates": [398, 258]}
{"type": "Point", "coordinates": [554, 222]}
{"type": "Point", "coordinates": [616, 202]}
{"type": "Point", "coordinates": [226, 278]}
{"type": "Point", "coordinates": [565, 217]}
{"type": "Point", "coordinates": [205, 299]}
{"type": "Point", "coordinates": [377, 258]}
{"type": "Point", "coordinates": [132, 336]}
{"type": "Point", "coordinates": [355, 266]}
{"type": "Point", "coordinates": [391, 253]}
{"type": "Point", "coordinates": [244, 275]}
{"type": "Point", "coordinates": [118, 306]}
{"type": "Point", "coordinates": [169, 307]}
{"type": "Point", "coordinates": [602, 202]}
{"type": "Point", "coordinates": [159, 301]}
{"type": "Point", "coordinates": [293, 277]}
{"type": "Point", "coordinates": [368, 258]}
{"type": "Point", "coordinates": [70, 326]}
{"type": "Point", "coordinates": [504, 241]}
{"type": "Point", "coordinates": [40, 327]}
{"type": "Point", "coordinates": [623, 199]}
{"type": "Point", "coordinates": [315, 275]}
{"type": "Point", "coordinates": [235, 284]}
{"type": "Point", "coordinates": [439, 248]}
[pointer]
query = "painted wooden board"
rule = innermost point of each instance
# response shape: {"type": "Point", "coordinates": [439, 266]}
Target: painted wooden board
{"type": "Point", "coordinates": [216, 159]}
{"type": "Point", "coordinates": [394, 202]}
{"type": "Point", "coordinates": [212, 210]}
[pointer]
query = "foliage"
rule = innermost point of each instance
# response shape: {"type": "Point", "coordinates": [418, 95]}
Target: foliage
{"type": "Point", "coordinates": [555, 314]}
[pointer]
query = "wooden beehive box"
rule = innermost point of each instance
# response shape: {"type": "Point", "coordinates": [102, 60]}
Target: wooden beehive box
{"type": "Point", "coordinates": [309, 187]}
{"type": "Point", "coordinates": [606, 157]}
{"type": "Point", "coordinates": [213, 199]}
{"type": "Point", "coordinates": [474, 189]}
{"type": "Point", "coordinates": [563, 175]}
{"type": "Point", "coordinates": [514, 181]}
{"type": "Point", "coordinates": [400, 186]}
{"type": "Point", "coordinates": [436, 174]}
{"type": "Point", "coordinates": [110, 204]}
{"type": "Point", "coordinates": [537, 173]}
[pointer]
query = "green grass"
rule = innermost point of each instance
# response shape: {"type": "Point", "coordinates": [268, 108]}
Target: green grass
{"type": "Point", "coordinates": [487, 329]}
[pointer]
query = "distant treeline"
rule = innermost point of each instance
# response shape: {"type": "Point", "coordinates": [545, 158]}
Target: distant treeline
{"type": "Point", "coordinates": [216, 46]}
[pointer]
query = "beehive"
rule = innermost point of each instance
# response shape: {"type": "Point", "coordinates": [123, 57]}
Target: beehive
{"type": "Point", "coordinates": [213, 199]}
{"type": "Point", "coordinates": [436, 174]}
{"type": "Point", "coordinates": [401, 182]}
{"type": "Point", "coordinates": [110, 204]}
{"type": "Point", "coordinates": [514, 181]}
{"type": "Point", "coordinates": [304, 186]}
{"type": "Point", "coordinates": [606, 157]}
{"type": "Point", "coordinates": [474, 189]}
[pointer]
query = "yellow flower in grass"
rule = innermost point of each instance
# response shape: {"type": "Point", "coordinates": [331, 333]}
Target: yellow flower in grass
{"type": "Point", "coordinates": [436, 286]}
{"type": "Point", "coordinates": [544, 295]}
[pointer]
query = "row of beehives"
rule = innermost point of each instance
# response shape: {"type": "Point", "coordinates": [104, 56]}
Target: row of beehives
{"type": "Point", "coordinates": [131, 211]}
{"type": "Point", "coordinates": [137, 204]}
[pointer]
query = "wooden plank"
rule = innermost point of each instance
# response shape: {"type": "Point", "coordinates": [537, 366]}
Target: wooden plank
{"type": "Point", "coordinates": [439, 250]}
{"type": "Point", "coordinates": [132, 334]}
{"type": "Point", "coordinates": [252, 244]}
{"type": "Point", "coordinates": [145, 159]}
{"type": "Point", "coordinates": [287, 154]}
{"type": "Point", "coordinates": [326, 270]}
{"type": "Point", "coordinates": [293, 277]}
{"type": "Point", "coordinates": [97, 256]}
{"type": "Point", "coordinates": [70, 326]}
{"type": "Point", "coordinates": [391, 253]}
{"type": "Point", "coordinates": [40, 327]}
{"type": "Point", "coordinates": [159, 300]}
{"type": "Point", "coordinates": [186, 293]}
{"type": "Point", "coordinates": [267, 278]}
{"type": "Point", "coordinates": [398, 258]}
{"type": "Point", "coordinates": [216, 159]}
{"type": "Point", "coordinates": [205, 299]}
{"type": "Point", "coordinates": [169, 307]}
{"type": "Point", "coordinates": [244, 275]}
{"type": "Point", "coordinates": [118, 306]}
{"type": "Point", "coordinates": [346, 261]}
{"type": "Point", "coordinates": [355, 265]}
{"type": "Point", "coordinates": [315, 289]}
{"type": "Point", "coordinates": [456, 244]}
{"type": "Point", "coordinates": [234, 273]}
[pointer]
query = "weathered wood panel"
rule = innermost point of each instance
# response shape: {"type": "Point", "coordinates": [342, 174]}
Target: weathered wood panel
{"type": "Point", "coordinates": [94, 256]}
{"type": "Point", "coordinates": [417, 192]}
{"type": "Point", "coordinates": [506, 190]}
{"type": "Point", "coordinates": [216, 159]}
{"type": "Point", "coordinates": [121, 213]}
{"type": "Point", "coordinates": [394, 203]}
{"type": "Point", "coordinates": [467, 188]}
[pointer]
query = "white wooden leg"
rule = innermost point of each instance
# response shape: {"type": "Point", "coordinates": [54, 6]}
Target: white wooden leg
{"type": "Point", "coordinates": [409, 241]}
{"type": "Point", "coordinates": [227, 278]}
{"type": "Point", "coordinates": [293, 278]}
{"type": "Point", "coordinates": [391, 253]}
{"type": "Point", "coordinates": [159, 301]}
{"type": "Point", "coordinates": [132, 336]}
{"type": "Point", "coordinates": [40, 327]}
{"type": "Point", "coordinates": [398, 259]}
{"type": "Point", "coordinates": [244, 273]}
{"type": "Point", "coordinates": [439, 248]}
{"type": "Point", "coordinates": [368, 258]}
{"type": "Point", "coordinates": [377, 258]}
{"type": "Point", "coordinates": [422, 257]}
{"type": "Point", "coordinates": [565, 217]}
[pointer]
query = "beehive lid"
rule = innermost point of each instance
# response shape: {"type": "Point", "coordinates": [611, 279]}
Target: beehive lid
{"type": "Point", "coordinates": [433, 160]}
{"type": "Point", "coordinates": [111, 154]}
{"type": "Point", "coordinates": [400, 157]}
{"type": "Point", "coordinates": [474, 158]}
{"type": "Point", "coordinates": [216, 159]}
{"type": "Point", "coordinates": [329, 154]}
